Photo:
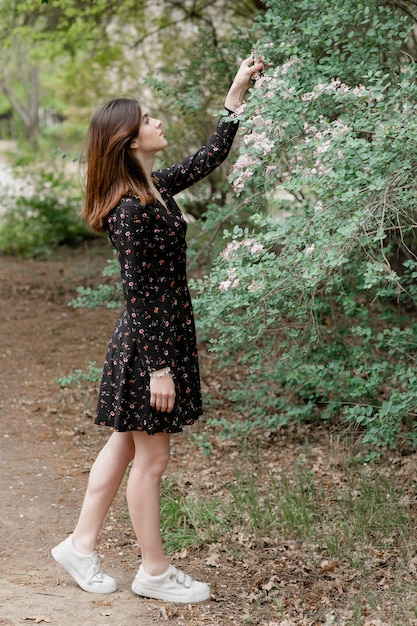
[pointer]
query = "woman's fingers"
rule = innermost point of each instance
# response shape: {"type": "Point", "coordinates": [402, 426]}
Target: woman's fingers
{"type": "Point", "coordinates": [162, 394]}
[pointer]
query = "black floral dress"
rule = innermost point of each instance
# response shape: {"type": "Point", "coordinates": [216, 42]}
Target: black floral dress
{"type": "Point", "coordinates": [156, 328]}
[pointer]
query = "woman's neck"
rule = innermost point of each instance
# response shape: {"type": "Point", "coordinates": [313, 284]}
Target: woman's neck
{"type": "Point", "coordinates": [147, 163]}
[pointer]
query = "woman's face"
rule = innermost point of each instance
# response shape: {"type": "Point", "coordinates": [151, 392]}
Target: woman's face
{"type": "Point", "coordinates": [150, 139]}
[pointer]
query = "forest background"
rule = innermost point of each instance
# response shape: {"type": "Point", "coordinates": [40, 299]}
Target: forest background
{"type": "Point", "coordinates": [302, 249]}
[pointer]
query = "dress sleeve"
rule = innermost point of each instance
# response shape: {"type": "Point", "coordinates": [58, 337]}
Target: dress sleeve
{"type": "Point", "coordinates": [182, 175]}
{"type": "Point", "coordinates": [150, 307]}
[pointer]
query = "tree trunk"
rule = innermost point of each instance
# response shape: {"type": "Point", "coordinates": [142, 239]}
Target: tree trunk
{"type": "Point", "coordinates": [27, 108]}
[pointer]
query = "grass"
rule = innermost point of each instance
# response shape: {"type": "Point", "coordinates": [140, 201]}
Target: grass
{"type": "Point", "coordinates": [295, 507]}
{"type": "Point", "coordinates": [188, 521]}
{"type": "Point", "coordinates": [361, 522]}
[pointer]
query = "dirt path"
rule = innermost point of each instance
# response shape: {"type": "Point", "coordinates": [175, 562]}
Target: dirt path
{"type": "Point", "coordinates": [46, 450]}
{"type": "Point", "coordinates": [47, 445]}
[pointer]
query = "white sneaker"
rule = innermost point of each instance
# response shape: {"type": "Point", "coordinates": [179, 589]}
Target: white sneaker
{"type": "Point", "coordinates": [84, 568]}
{"type": "Point", "coordinates": [172, 586]}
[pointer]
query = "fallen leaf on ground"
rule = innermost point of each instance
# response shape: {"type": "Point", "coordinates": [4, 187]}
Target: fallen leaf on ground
{"type": "Point", "coordinates": [38, 619]}
{"type": "Point", "coordinates": [327, 566]}
{"type": "Point", "coordinates": [213, 559]}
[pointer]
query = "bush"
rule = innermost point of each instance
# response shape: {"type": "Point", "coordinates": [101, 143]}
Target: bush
{"type": "Point", "coordinates": [45, 217]}
{"type": "Point", "coordinates": [319, 297]}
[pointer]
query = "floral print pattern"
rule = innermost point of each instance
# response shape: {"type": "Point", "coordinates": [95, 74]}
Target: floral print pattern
{"type": "Point", "coordinates": [156, 328]}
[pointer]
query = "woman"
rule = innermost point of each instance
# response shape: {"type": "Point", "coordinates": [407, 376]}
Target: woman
{"type": "Point", "coordinates": [150, 386]}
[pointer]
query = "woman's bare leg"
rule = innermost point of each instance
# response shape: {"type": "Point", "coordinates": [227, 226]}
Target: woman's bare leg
{"type": "Point", "coordinates": [143, 497]}
{"type": "Point", "coordinates": [105, 477]}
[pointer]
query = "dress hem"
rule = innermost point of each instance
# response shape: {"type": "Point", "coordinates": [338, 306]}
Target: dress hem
{"type": "Point", "coordinates": [171, 431]}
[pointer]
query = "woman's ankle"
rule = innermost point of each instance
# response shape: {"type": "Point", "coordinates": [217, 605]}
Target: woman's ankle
{"type": "Point", "coordinates": [155, 568]}
{"type": "Point", "coordinates": [82, 545]}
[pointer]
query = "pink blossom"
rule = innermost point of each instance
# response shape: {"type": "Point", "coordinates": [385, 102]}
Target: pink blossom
{"type": "Point", "coordinates": [359, 91]}
{"type": "Point", "coordinates": [260, 140]}
{"type": "Point", "coordinates": [267, 145]}
{"type": "Point", "coordinates": [233, 246]}
{"type": "Point", "coordinates": [286, 66]}
{"type": "Point", "coordinates": [238, 185]}
{"type": "Point", "coordinates": [324, 147]}
{"type": "Point", "coordinates": [270, 169]}
{"type": "Point", "coordinates": [263, 78]}
{"type": "Point", "coordinates": [306, 97]}
{"type": "Point", "coordinates": [242, 162]}
{"type": "Point", "coordinates": [341, 126]}
{"type": "Point", "coordinates": [224, 286]}
{"type": "Point", "coordinates": [256, 248]}
{"type": "Point", "coordinates": [240, 109]}
{"type": "Point", "coordinates": [230, 249]}
{"type": "Point", "coordinates": [335, 83]}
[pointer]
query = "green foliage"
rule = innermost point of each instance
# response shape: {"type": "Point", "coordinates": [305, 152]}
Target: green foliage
{"type": "Point", "coordinates": [107, 295]}
{"type": "Point", "coordinates": [178, 45]}
{"type": "Point", "coordinates": [78, 377]}
{"type": "Point", "coordinates": [46, 216]}
{"type": "Point", "coordinates": [189, 521]}
{"type": "Point", "coordinates": [319, 297]}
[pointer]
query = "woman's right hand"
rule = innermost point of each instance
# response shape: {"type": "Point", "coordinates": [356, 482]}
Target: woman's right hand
{"type": "Point", "coordinates": [162, 390]}
{"type": "Point", "coordinates": [247, 69]}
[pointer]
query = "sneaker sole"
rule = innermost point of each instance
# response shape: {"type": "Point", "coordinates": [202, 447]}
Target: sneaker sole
{"type": "Point", "coordinates": [142, 590]}
{"type": "Point", "coordinates": [60, 558]}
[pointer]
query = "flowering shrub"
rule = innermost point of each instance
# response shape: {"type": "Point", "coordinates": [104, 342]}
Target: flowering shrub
{"type": "Point", "coordinates": [44, 215]}
{"type": "Point", "coordinates": [319, 296]}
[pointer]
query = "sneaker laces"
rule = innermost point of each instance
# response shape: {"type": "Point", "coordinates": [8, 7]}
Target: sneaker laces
{"type": "Point", "coordinates": [96, 573]}
{"type": "Point", "coordinates": [181, 578]}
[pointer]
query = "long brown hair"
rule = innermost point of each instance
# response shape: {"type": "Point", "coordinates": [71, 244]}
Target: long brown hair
{"type": "Point", "coordinates": [112, 169]}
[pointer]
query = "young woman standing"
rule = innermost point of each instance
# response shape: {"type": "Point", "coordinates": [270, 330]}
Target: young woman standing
{"type": "Point", "coordinates": [150, 386]}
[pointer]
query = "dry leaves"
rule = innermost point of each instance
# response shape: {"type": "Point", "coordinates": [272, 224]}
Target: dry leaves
{"type": "Point", "coordinates": [327, 567]}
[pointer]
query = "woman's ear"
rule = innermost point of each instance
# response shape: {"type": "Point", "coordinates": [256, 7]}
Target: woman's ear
{"type": "Point", "coordinates": [135, 144]}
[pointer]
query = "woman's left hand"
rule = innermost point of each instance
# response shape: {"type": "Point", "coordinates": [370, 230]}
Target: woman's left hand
{"type": "Point", "coordinates": [162, 390]}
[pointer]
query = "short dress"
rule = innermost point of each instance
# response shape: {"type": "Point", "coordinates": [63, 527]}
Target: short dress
{"type": "Point", "coordinates": [156, 328]}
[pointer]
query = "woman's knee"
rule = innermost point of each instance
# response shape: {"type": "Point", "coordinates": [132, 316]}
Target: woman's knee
{"type": "Point", "coordinates": [152, 452]}
{"type": "Point", "coordinates": [152, 465]}
{"type": "Point", "coordinates": [122, 446]}
{"type": "Point", "coordinates": [161, 461]}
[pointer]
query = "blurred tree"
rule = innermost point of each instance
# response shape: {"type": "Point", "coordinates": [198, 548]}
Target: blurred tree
{"type": "Point", "coordinates": [100, 48]}
{"type": "Point", "coordinates": [21, 86]}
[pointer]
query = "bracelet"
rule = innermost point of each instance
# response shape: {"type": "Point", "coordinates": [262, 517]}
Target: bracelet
{"type": "Point", "coordinates": [161, 374]}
